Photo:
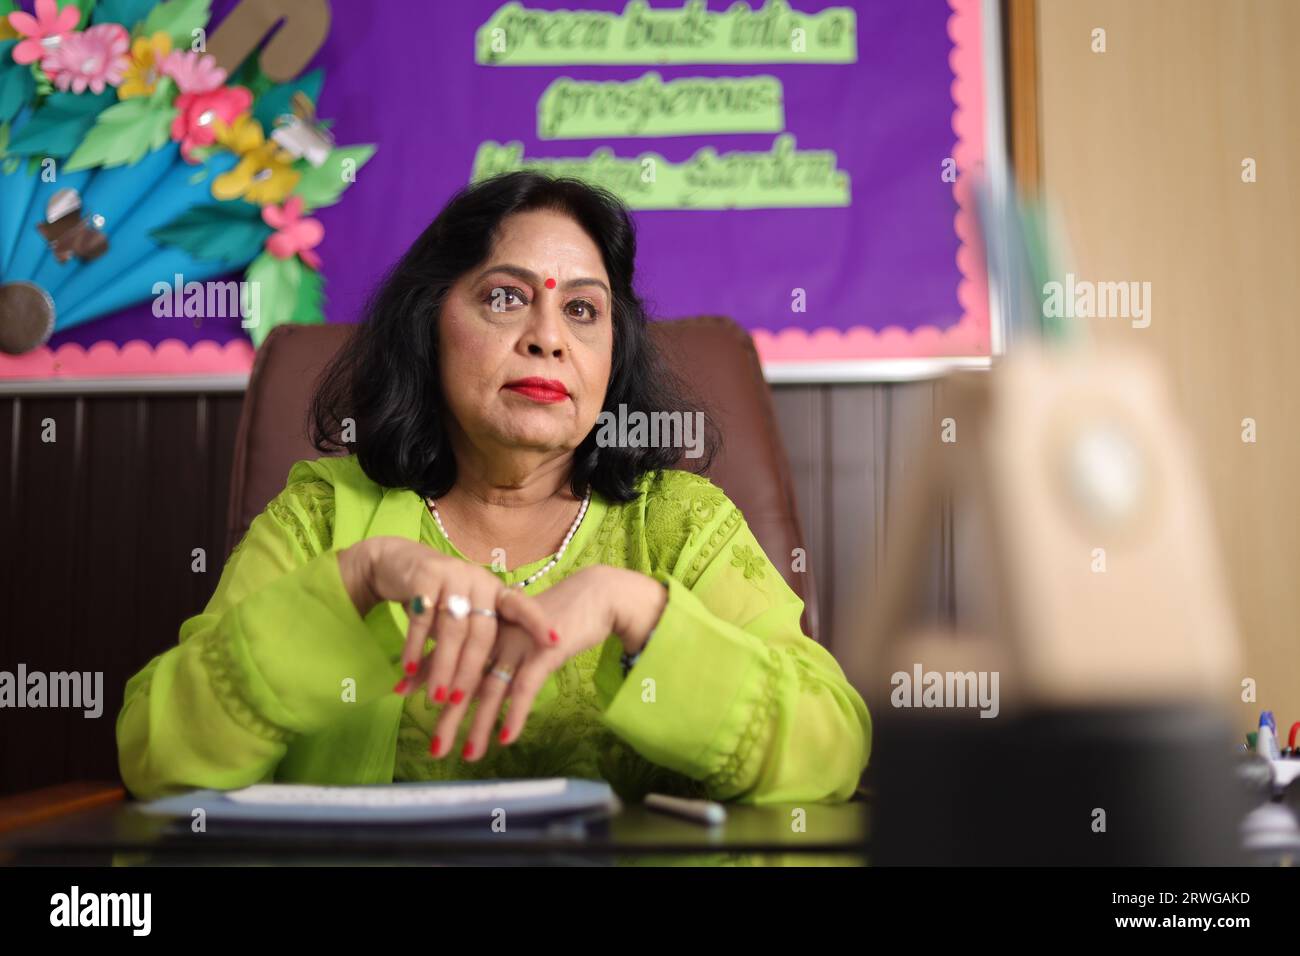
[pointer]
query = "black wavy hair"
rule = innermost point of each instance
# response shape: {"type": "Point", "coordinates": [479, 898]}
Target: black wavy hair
{"type": "Point", "coordinates": [386, 378]}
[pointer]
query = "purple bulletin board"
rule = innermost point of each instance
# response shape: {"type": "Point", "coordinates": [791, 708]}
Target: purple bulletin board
{"type": "Point", "coordinates": [813, 180]}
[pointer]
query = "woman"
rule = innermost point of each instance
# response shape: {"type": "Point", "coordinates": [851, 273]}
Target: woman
{"type": "Point", "coordinates": [548, 606]}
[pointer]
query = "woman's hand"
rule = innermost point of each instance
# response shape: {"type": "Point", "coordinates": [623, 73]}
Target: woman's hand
{"type": "Point", "coordinates": [583, 609]}
{"type": "Point", "coordinates": [397, 569]}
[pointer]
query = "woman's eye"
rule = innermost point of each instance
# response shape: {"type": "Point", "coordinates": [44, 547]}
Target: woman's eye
{"type": "Point", "coordinates": [581, 309]}
{"type": "Point", "coordinates": [503, 298]}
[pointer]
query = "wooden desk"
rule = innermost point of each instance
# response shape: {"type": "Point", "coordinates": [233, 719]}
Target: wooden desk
{"type": "Point", "coordinates": [95, 825]}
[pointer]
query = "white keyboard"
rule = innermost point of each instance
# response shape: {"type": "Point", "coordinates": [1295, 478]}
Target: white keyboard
{"type": "Point", "coordinates": [279, 794]}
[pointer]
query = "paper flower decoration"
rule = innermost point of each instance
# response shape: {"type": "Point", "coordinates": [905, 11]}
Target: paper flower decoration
{"type": "Point", "coordinates": [264, 174]}
{"type": "Point", "coordinates": [198, 112]}
{"type": "Point", "coordinates": [91, 60]}
{"type": "Point", "coordinates": [142, 76]}
{"type": "Point", "coordinates": [294, 236]}
{"type": "Point", "coordinates": [44, 32]}
{"type": "Point", "coordinates": [193, 72]}
{"type": "Point", "coordinates": [170, 163]}
{"type": "Point", "coordinates": [241, 136]}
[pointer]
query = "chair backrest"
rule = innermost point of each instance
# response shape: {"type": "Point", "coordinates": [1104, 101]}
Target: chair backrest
{"type": "Point", "coordinates": [714, 355]}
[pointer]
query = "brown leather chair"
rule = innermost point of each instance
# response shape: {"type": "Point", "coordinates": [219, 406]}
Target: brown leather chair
{"type": "Point", "coordinates": [713, 354]}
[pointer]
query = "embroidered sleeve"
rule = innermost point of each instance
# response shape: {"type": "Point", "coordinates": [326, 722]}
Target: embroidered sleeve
{"type": "Point", "coordinates": [730, 692]}
{"type": "Point", "coordinates": [262, 664]}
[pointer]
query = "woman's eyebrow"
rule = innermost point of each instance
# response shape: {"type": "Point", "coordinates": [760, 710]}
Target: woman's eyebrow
{"type": "Point", "coordinates": [586, 280]}
{"type": "Point", "coordinates": [532, 278]}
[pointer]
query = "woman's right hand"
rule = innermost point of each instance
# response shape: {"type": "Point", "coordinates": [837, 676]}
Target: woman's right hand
{"type": "Point", "coordinates": [398, 569]}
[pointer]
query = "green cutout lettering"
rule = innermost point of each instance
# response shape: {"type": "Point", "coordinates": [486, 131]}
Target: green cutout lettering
{"type": "Point", "coordinates": [781, 178]}
{"type": "Point", "coordinates": [647, 106]}
{"type": "Point", "coordinates": [518, 36]}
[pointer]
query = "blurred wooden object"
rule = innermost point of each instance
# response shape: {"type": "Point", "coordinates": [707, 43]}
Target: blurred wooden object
{"type": "Point", "coordinates": [1075, 480]}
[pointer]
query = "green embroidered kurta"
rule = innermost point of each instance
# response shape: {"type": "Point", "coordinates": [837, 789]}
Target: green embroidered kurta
{"type": "Point", "coordinates": [281, 679]}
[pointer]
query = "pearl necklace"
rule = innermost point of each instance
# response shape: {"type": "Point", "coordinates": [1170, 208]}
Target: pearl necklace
{"type": "Point", "coordinates": [555, 559]}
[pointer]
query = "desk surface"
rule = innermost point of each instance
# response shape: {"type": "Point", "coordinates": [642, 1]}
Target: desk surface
{"type": "Point", "coordinates": [116, 834]}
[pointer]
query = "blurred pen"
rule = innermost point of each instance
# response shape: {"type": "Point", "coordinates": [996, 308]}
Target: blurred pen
{"type": "Point", "coordinates": [701, 811]}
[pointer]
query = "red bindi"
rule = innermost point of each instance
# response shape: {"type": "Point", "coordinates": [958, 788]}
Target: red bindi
{"type": "Point", "coordinates": [550, 283]}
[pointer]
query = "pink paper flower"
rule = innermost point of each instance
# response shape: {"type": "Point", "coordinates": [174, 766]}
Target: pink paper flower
{"type": "Point", "coordinates": [96, 58]}
{"type": "Point", "coordinates": [294, 235]}
{"type": "Point", "coordinates": [44, 32]}
{"type": "Point", "coordinates": [193, 72]}
{"type": "Point", "coordinates": [193, 126]}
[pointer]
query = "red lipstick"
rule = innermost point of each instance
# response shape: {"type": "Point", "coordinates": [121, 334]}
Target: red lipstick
{"type": "Point", "coordinates": [545, 390]}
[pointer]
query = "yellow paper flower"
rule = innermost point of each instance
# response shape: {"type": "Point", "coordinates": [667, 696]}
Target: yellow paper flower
{"type": "Point", "coordinates": [265, 176]}
{"type": "Point", "coordinates": [142, 75]}
{"type": "Point", "coordinates": [241, 137]}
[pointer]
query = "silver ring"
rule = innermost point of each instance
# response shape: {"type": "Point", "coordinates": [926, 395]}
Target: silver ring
{"type": "Point", "coordinates": [457, 605]}
{"type": "Point", "coordinates": [485, 611]}
{"type": "Point", "coordinates": [501, 674]}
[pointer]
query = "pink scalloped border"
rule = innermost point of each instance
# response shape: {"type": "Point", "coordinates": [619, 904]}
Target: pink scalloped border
{"type": "Point", "coordinates": [970, 336]}
{"type": "Point", "coordinates": [107, 360]}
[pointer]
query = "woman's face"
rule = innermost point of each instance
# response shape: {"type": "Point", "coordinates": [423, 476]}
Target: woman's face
{"type": "Point", "coordinates": [526, 338]}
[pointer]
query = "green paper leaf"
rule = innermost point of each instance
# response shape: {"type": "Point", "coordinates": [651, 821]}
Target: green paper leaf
{"type": "Point", "coordinates": [59, 125]}
{"type": "Point", "coordinates": [16, 82]}
{"type": "Point", "coordinates": [126, 12]}
{"type": "Point", "coordinates": [279, 99]}
{"type": "Point", "coordinates": [228, 232]}
{"type": "Point", "coordinates": [164, 91]}
{"type": "Point", "coordinates": [323, 185]}
{"type": "Point", "coordinates": [178, 19]}
{"type": "Point", "coordinates": [311, 298]}
{"type": "Point", "coordinates": [250, 76]}
{"type": "Point", "coordinates": [85, 6]}
{"type": "Point", "coordinates": [4, 138]}
{"type": "Point", "coordinates": [274, 285]}
{"type": "Point", "coordinates": [7, 7]}
{"type": "Point", "coordinates": [123, 135]}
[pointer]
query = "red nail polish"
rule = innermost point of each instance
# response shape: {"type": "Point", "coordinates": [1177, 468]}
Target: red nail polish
{"type": "Point", "coordinates": [412, 667]}
{"type": "Point", "coordinates": [505, 733]}
{"type": "Point", "coordinates": [457, 696]}
{"type": "Point", "coordinates": [555, 638]}
{"type": "Point", "coordinates": [433, 746]}
{"type": "Point", "coordinates": [468, 751]}
{"type": "Point", "coordinates": [440, 694]}
{"type": "Point", "coordinates": [402, 686]}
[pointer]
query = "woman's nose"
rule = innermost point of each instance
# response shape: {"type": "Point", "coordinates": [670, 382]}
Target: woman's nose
{"type": "Point", "coordinates": [545, 332]}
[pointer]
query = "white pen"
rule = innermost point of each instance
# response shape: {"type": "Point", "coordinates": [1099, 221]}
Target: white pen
{"type": "Point", "coordinates": [701, 811]}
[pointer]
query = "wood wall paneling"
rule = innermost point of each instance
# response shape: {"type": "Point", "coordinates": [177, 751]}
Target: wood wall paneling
{"type": "Point", "coordinates": [96, 534]}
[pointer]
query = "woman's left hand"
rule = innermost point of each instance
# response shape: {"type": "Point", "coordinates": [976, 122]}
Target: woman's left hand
{"type": "Point", "coordinates": [584, 609]}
